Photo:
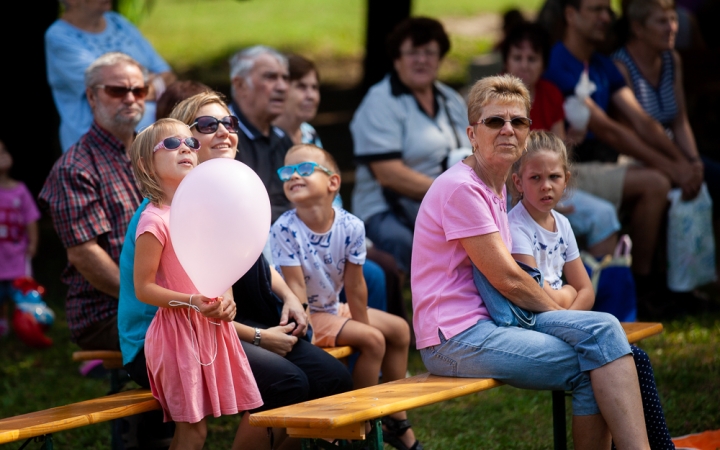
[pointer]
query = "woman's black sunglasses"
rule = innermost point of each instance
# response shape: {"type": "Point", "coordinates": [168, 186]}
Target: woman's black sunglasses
{"type": "Point", "coordinates": [497, 122]}
{"type": "Point", "coordinates": [209, 124]}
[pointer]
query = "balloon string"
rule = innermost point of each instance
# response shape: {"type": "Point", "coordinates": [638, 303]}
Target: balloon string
{"type": "Point", "coordinates": [193, 332]}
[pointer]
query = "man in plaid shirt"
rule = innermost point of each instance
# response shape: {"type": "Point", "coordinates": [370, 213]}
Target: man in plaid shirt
{"type": "Point", "coordinates": [91, 196]}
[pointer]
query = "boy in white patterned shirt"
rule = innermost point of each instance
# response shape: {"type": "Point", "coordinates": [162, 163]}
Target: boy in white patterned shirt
{"type": "Point", "coordinates": [320, 249]}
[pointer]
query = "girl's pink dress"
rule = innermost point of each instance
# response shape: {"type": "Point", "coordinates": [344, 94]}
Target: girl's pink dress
{"type": "Point", "coordinates": [187, 390]}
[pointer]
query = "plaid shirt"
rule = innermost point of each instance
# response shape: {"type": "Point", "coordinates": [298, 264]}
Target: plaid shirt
{"type": "Point", "coordinates": [91, 193]}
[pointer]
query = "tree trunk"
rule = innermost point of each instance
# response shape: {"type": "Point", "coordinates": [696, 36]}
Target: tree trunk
{"type": "Point", "coordinates": [382, 17]}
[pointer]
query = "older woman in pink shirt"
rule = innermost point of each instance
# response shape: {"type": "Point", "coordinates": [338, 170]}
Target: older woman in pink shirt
{"type": "Point", "coordinates": [463, 221]}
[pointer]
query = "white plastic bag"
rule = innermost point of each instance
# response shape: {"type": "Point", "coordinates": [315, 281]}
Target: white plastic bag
{"type": "Point", "coordinates": [690, 245]}
{"type": "Point", "coordinates": [576, 111]}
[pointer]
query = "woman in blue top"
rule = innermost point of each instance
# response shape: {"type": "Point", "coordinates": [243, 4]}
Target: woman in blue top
{"type": "Point", "coordinates": [85, 31]}
{"type": "Point", "coordinates": [653, 70]}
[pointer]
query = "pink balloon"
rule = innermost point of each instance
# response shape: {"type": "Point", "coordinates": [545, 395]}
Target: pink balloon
{"type": "Point", "coordinates": [219, 223]}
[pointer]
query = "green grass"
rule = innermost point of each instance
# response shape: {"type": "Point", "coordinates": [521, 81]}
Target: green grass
{"type": "Point", "coordinates": [195, 33]}
{"type": "Point", "coordinates": [685, 358]}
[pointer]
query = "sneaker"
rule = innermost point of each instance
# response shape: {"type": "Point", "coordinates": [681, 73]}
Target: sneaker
{"type": "Point", "coordinates": [623, 247]}
{"type": "Point", "coordinates": [93, 369]}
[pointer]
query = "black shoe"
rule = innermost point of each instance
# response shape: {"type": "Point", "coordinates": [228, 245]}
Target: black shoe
{"type": "Point", "coordinates": [392, 431]}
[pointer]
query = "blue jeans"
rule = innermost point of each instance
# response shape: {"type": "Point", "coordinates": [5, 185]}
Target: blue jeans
{"type": "Point", "coordinates": [593, 217]}
{"type": "Point", "coordinates": [535, 359]}
{"type": "Point", "coordinates": [504, 312]}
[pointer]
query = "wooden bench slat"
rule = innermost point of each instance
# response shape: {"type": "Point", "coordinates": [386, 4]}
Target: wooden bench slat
{"type": "Point", "coordinates": [637, 331]}
{"type": "Point", "coordinates": [77, 415]}
{"type": "Point", "coordinates": [354, 431]}
{"type": "Point", "coordinates": [364, 404]}
{"type": "Point", "coordinates": [339, 352]}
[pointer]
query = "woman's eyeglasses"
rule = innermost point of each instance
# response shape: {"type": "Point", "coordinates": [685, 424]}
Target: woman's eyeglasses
{"type": "Point", "coordinates": [173, 143]}
{"type": "Point", "coordinates": [121, 91]}
{"type": "Point", "coordinates": [304, 169]}
{"type": "Point", "coordinates": [497, 122]}
{"type": "Point", "coordinates": [209, 124]}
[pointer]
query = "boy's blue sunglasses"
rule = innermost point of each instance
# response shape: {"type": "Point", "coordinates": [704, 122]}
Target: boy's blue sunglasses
{"type": "Point", "coordinates": [304, 169]}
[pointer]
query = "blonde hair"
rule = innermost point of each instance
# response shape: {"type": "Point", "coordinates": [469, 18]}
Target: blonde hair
{"type": "Point", "coordinates": [141, 155]}
{"type": "Point", "coordinates": [499, 88]}
{"type": "Point", "coordinates": [186, 111]}
{"type": "Point", "coordinates": [330, 162]}
{"type": "Point", "coordinates": [540, 141]}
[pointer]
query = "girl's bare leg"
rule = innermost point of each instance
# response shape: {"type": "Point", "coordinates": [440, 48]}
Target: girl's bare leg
{"type": "Point", "coordinates": [249, 437]}
{"type": "Point", "coordinates": [189, 435]}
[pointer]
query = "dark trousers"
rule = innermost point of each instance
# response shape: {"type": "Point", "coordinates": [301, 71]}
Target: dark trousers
{"type": "Point", "coordinates": [101, 335]}
{"type": "Point", "coordinates": [306, 373]}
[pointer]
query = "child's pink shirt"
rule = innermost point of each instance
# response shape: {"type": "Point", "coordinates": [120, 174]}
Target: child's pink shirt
{"type": "Point", "coordinates": [17, 210]}
{"type": "Point", "coordinates": [458, 205]}
{"type": "Point", "coordinates": [187, 390]}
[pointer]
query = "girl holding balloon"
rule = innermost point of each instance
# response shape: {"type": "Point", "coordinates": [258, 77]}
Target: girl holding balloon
{"type": "Point", "coordinates": [194, 359]}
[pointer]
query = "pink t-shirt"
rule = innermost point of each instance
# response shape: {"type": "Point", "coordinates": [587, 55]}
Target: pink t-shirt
{"type": "Point", "coordinates": [17, 210]}
{"type": "Point", "coordinates": [444, 296]}
{"type": "Point", "coordinates": [170, 274]}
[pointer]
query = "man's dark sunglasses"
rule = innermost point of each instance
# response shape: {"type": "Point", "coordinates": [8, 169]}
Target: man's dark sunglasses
{"type": "Point", "coordinates": [121, 91]}
{"type": "Point", "coordinates": [209, 124]}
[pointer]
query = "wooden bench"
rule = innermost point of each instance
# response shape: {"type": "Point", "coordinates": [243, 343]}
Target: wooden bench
{"type": "Point", "coordinates": [44, 423]}
{"type": "Point", "coordinates": [343, 416]}
{"type": "Point", "coordinates": [41, 424]}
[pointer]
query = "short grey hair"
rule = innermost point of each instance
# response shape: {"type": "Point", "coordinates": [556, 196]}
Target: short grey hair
{"type": "Point", "coordinates": [92, 73]}
{"type": "Point", "coordinates": [242, 62]}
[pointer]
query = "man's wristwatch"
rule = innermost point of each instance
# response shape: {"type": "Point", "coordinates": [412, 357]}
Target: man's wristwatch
{"type": "Point", "coordinates": [258, 336]}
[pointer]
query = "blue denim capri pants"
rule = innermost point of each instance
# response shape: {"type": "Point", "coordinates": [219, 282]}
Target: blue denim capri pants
{"type": "Point", "coordinates": [538, 359]}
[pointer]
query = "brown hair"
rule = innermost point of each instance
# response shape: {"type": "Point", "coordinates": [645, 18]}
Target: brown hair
{"type": "Point", "coordinates": [541, 141]}
{"type": "Point", "coordinates": [141, 155]}
{"type": "Point", "coordinates": [299, 66]}
{"type": "Point", "coordinates": [175, 93]}
{"type": "Point", "coordinates": [499, 88]}
{"type": "Point", "coordinates": [420, 30]}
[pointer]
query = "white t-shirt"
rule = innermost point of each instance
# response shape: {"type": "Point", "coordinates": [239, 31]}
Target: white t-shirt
{"type": "Point", "coordinates": [389, 124]}
{"type": "Point", "coordinates": [550, 249]}
{"type": "Point", "coordinates": [321, 256]}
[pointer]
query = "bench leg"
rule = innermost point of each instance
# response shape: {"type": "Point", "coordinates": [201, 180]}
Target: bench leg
{"type": "Point", "coordinates": [45, 439]}
{"type": "Point", "coordinates": [559, 426]}
{"type": "Point", "coordinates": [373, 441]}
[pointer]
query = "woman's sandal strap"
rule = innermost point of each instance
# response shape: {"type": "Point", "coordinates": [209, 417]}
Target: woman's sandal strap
{"type": "Point", "coordinates": [395, 426]}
